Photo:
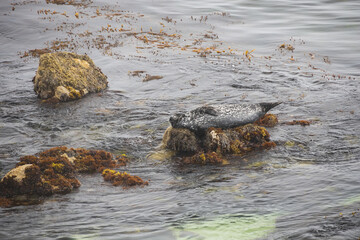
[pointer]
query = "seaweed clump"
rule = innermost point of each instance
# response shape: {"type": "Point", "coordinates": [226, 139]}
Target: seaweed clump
{"type": "Point", "coordinates": [268, 120]}
{"type": "Point", "coordinates": [204, 159]}
{"type": "Point", "coordinates": [123, 179]}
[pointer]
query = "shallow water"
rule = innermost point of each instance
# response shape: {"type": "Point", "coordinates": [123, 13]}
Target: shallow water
{"type": "Point", "coordinates": [305, 188]}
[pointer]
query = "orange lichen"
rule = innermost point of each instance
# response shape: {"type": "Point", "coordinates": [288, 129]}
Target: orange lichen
{"type": "Point", "coordinates": [268, 120]}
{"type": "Point", "coordinates": [123, 179]}
{"type": "Point", "coordinates": [299, 122]}
{"type": "Point", "coordinates": [204, 159]}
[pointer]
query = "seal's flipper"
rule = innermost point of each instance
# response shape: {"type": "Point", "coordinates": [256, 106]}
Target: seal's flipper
{"type": "Point", "coordinates": [205, 110]}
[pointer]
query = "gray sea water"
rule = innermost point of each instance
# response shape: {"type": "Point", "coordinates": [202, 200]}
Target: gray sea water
{"type": "Point", "coordinates": [206, 52]}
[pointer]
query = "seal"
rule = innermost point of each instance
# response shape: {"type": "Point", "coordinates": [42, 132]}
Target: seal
{"type": "Point", "coordinates": [220, 116]}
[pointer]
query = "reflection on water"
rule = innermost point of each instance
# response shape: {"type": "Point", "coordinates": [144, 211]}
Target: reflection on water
{"type": "Point", "coordinates": [199, 50]}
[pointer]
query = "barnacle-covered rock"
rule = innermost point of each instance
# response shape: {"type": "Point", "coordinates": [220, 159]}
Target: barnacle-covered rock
{"type": "Point", "coordinates": [64, 76]}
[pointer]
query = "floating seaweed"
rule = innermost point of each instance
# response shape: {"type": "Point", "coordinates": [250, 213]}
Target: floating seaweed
{"type": "Point", "coordinates": [299, 122]}
{"type": "Point", "coordinates": [268, 120]}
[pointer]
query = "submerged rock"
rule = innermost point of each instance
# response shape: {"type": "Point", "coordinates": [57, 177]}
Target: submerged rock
{"type": "Point", "coordinates": [204, 158]}
{"type": "Point", "coordinates": [64, 76]}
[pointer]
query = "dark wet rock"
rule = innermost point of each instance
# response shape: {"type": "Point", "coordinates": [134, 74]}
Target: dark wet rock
{"type": "Point", "coordinates": [181, 140]}
{"type": "Point", "coordinates": [64, 76]}
{"type": "Point", "coordinates": [239, 140]}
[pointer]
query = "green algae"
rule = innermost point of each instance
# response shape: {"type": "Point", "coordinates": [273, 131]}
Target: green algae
{"type": "Point", "coordinates": [351, 200]}
{"type": "Point", "coordinates": [244, 227]}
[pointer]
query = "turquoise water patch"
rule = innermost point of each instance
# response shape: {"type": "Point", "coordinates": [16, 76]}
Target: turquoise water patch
{"type": "Point", "coordinates": [245, 227]}
{"type": "Point", "coordinates": [351, 200]}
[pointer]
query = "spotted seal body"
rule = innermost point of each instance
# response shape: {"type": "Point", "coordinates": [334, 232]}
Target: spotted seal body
{"type": "Point", "coordinates": [221, 116]}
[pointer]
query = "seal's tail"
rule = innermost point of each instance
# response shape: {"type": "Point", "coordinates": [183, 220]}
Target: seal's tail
{"type": "Point", "coordinates": [267, 106]}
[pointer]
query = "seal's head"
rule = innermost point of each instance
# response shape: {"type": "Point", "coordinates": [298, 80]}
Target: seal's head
{"type": "Point", "coordinates": [176, 119]}
{"type": "Point", "coordinates": [267, 106]}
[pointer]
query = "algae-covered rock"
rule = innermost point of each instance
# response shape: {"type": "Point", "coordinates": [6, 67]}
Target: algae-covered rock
{"type": "Point", "coordinates": [210, 146]}
{"type": "Point", "coordinates": [53, 171]}
{"type": "Point", "coordinates": [67, 76]}
{"type": "Point", "coordinates": [45, 179]}
{"type": "Point", "coordinates": [181, 140]}
{"type": "Point", "coordinates": [238, 140]}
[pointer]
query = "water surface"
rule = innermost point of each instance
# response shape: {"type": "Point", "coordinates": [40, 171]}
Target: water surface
{"type": "Point", "coordinates": [305, 188]}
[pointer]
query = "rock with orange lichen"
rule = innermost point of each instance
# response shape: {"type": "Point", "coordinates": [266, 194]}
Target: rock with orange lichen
{"type": "Point", "coordinates": [123, 179]}
{"type": "Point", "coordinates": [52, 171]}
{"type": "Point", "coordinates": [64, 76]}
{"type": "Point", "coordinates": [45, 177]}
{"type": "Point", "coordinates": [83, 160]}
{"type": "Point", "coordinates": [239, 140]}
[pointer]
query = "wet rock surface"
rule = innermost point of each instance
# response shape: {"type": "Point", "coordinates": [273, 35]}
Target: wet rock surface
{"type": "Point", "coordinates": [64, 76]}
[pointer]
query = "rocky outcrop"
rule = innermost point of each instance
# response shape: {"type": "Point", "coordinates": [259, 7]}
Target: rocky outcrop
{"type": "Point", "coordinates": [211, 146]}
{"type": "Point", "coordinates": [54, 171]}
{"type": "Point", "coordinates": [63, 76]}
